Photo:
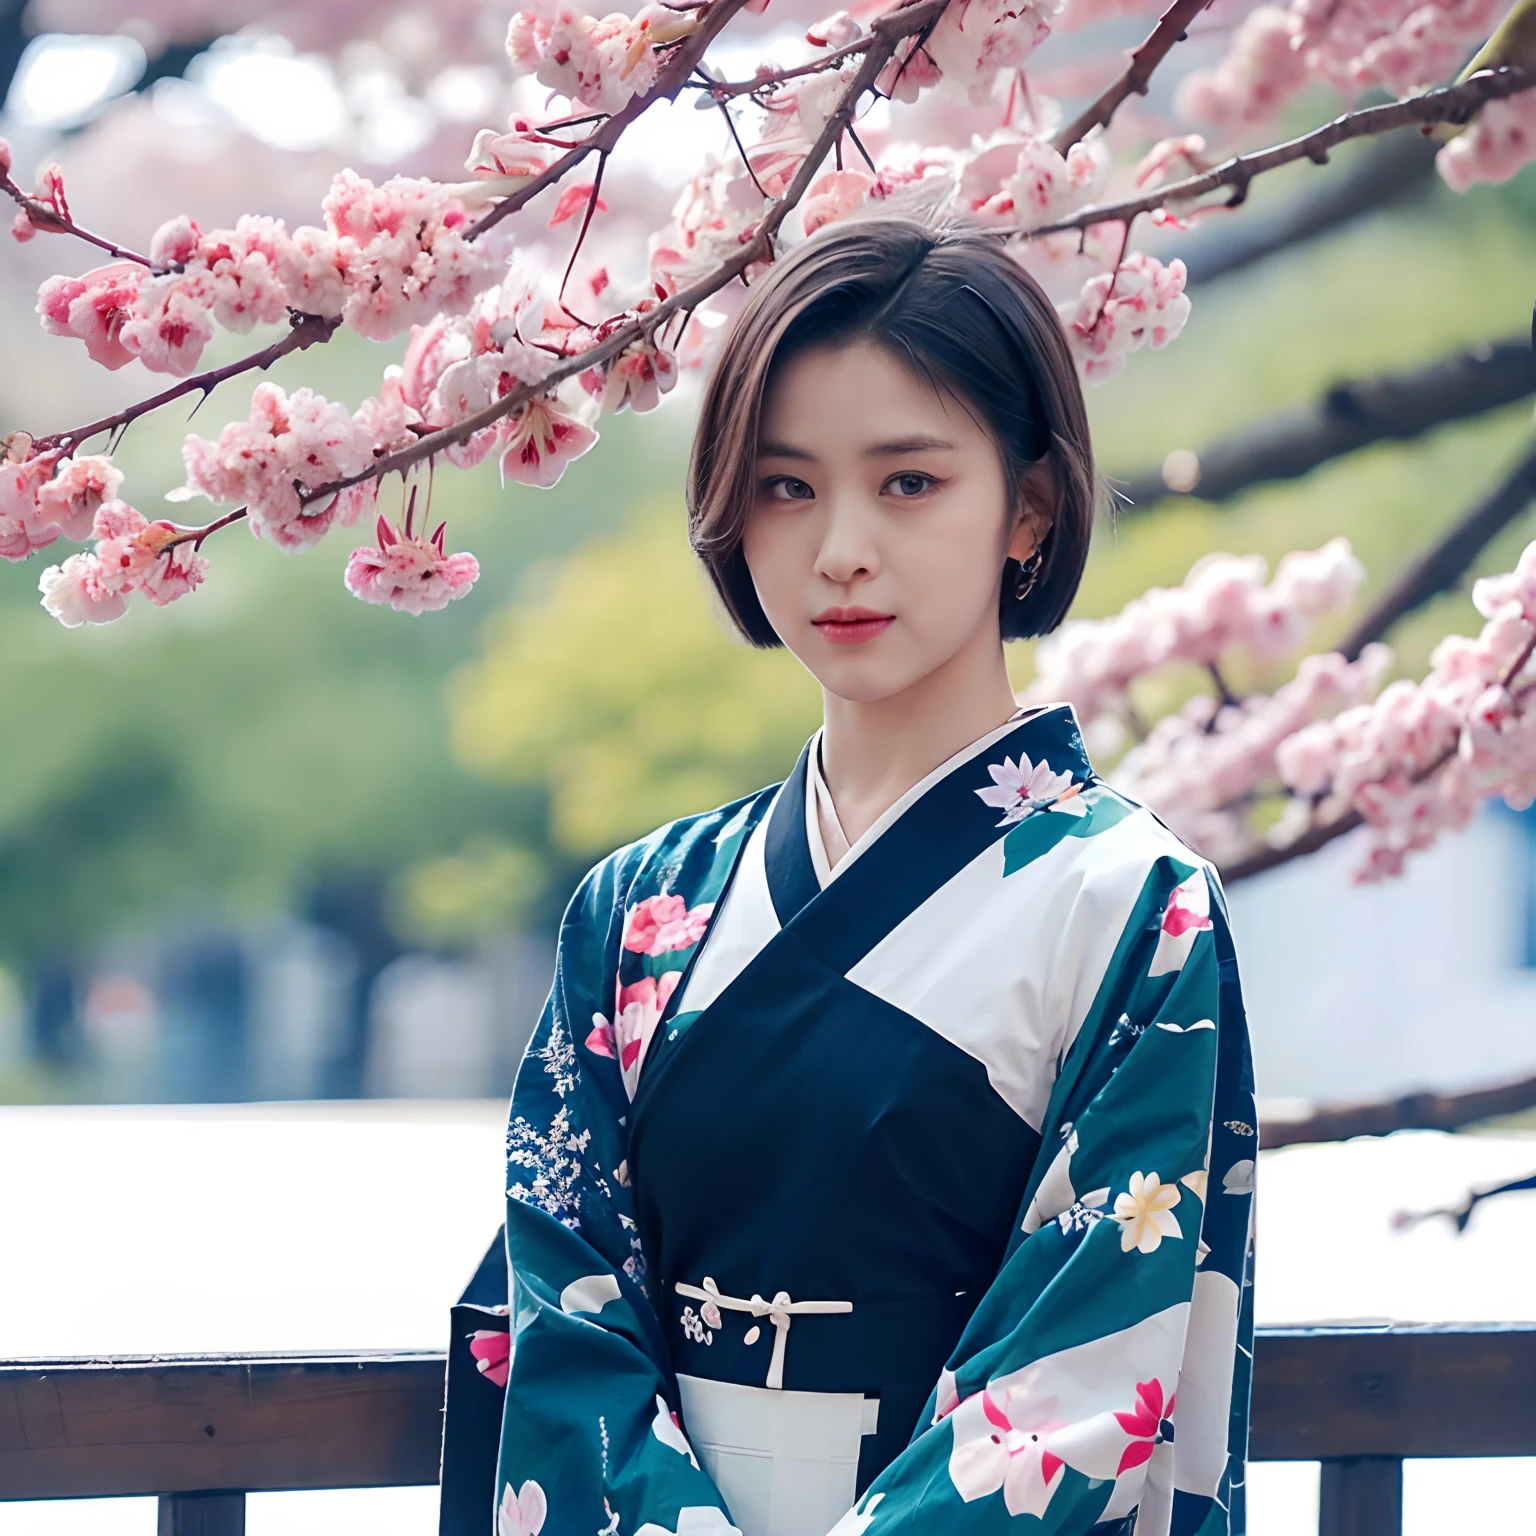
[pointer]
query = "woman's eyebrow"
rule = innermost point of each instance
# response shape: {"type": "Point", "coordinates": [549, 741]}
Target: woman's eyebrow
{"type": "Point", "coordinates": [772, 450]}
{"type": "Point", "coordinates": [915, 444]}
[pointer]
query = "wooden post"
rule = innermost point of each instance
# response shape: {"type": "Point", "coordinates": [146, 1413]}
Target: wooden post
{"type": "Point", "coordinates": [202, 1514]}
{"type": "Point", "coordinates": [1361, 1496]}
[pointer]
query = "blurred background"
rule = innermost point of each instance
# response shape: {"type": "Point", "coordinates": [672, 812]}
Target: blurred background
{"type": "Point", "coordinates": [273, 846]}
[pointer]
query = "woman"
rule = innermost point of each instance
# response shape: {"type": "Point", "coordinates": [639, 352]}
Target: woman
{"type": "Point", "coordinates": [883, 1159]}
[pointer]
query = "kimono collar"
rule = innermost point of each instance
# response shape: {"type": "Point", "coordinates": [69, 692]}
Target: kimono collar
{"type": "Point", "coordinates": [1047, 736]}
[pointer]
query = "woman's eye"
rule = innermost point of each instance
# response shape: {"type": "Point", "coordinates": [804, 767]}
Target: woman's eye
{"type": "Point", "coordinates": [787, 488]}
{"type": "Point", "coordinates": [911, 483]}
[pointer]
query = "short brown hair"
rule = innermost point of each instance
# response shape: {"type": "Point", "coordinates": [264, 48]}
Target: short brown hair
{"type": "Point", "coordinates": [953, 304]}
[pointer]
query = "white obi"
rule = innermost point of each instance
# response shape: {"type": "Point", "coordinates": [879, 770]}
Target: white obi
{"type": "Point", "coordinates": [786, 1463]}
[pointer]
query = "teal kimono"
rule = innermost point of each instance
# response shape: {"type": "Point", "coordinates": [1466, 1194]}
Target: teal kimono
{"type": "Point", "coordinates": [908, 1195]}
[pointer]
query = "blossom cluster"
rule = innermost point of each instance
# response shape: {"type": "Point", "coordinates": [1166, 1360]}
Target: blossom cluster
{"type": "Point", "coordinates": [1224, 603]}
{"type": "Point", "coordinates": [1202, 767]}
{"type": "Point", "coordinates": [1425, 755]}
{"type": "Point", "coordinates": [1140, 302]}
{"type": "Point", "coordinates": [410, 574]}
{"type": "Point", "coordinates": [286, 447]}
{"type": "Point", "coordinates": [44, 496]}
{"type": "Point", "coordinates": [1498, 142]}
{"type": "Point", "coordinates": [601, 63]}
{"type": "Point", "coordinates": [131, 554]}
{"type": "Point", "coordinates": [1400, 46]}
{"type": "Point", "coordinates": [386, 257]}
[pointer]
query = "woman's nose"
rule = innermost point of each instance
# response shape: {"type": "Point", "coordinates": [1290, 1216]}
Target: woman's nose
{"type": "Point", "coordinates": [849, 546]}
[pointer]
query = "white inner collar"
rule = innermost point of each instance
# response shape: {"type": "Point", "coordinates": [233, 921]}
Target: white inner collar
{"type": "Point", "coordinates": [844, 853]}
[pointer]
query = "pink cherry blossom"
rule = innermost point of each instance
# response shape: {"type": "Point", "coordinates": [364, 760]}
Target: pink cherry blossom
{"type": "Point", "coordinates": [170, 325]}
{"type": "Point", "coordinates": [541, 438]}
{"type": "Point", "coordinates": [410, 575]}
{"type": "Point", "coordinates": [911, 71]}
{"type": "Point", "coordinates": [1262, 70]}
{"type": "Point", "coordinates": [1422, 758]}
{"type": "Point", "coordinates": [79, 487]}
{"type": "Point", "coordinates": [832, 196]}
{"type": "Point", "coordinates": [94, 308]}
{"type": "Point", "coordinates": [1141, 302]}
{"type": "Point", "coordinates": [973, 40]}
{"type": "Point", "coordinates": [389, 256]}
{"type": "Point", "coordinates": [834, 31]}
{"type": "Point", "coordinates": [131, 554]}
{"type": "Point", "coordinates": [75, 593]}
{"type": "Point", "coordinates": [714, 213]}
{"type": "Point", "coordinates": [600, 63]}
{"type": "Point", "coordinates": [287, 443]}
{"type": "Point", "coordinates": [638, 377]}
{"type": "Point", "coordinates": [661, 924]}
{"type": "Point", "coordinates": [1020, 181]}
{"type": "Point", "coordinates": [503, 162]}
{"type": "Point", "coordinates": [1498, 143]}
{"type": "Point", "coordinates": [25, 524]}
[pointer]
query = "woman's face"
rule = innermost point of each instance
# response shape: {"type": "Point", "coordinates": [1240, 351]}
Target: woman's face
{"type": "Point", "coordinates": [881, 522]}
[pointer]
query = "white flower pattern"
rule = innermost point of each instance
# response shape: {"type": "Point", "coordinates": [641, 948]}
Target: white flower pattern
{"type": "Point", "coordinates": [1020, 789]}
{"type": "Point", "coordinates": [555, 1171]}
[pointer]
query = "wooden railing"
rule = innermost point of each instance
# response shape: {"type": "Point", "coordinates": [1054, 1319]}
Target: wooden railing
{"type": "Point", "coordinates": [200, 1432]}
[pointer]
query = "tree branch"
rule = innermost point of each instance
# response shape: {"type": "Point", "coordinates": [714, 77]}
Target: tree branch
{"type": "Point", "coordinates": [1352, 414]}
{"type": "Point", "coordinates": [1450, 104]}
{"type": "Point", "coordinates": [888, 30]}
{"type": "Point", "coordinates": [305, 332]}
{"type": "Point", "coordinates": [48, 221]}
{"type": "Point", "coordinates": [1396, 166]}
{"type": "Point", "coordinates": [723, 90]}
{"type": "Point", "coordinates": [1138, 73]}
{"type": "Point", "coordinates": [1441, 565]}
{"type": "Point", "coordinates": [1412, 1111]}
{"type": "Point", "coordinates": [681, 63]}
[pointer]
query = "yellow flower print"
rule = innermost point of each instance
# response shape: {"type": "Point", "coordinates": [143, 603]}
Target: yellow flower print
{"type": "Point", "coordinates": [1145, 1213]}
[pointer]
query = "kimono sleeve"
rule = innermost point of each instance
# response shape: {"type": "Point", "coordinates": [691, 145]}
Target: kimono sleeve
{"type": "Point", "coordinates": [1102, 1382]}
{"type": "Point", "coordinates": [590, 1439]}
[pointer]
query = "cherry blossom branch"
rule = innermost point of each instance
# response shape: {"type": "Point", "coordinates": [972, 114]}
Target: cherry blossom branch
{"type": "Point", "coordinates": [1412, 1111]}
{"type": "Point", "coordinates": [306, 331]}
{"type": "Point", "coordinates": [887, 34]}
{"type": "Point", "coordinates": [1138, 73]}
{"type": "Point", "coordinates": [680, 64]}
{"type": "Point", "coordinates": [728, 89]}
{"type": "Point", "coordinates": [1350, 415]}
{"type": "Point", "coordinates": [1450, 104]}
{"type": "Point", "coordinates": [51, 220]}
{"type": "Point", "coordinates": [1396, 166]}
{"type": "Point", "coordinates": [195, 536]}
{"type": "Point", "coordinates": [1446, 560]}
{"type": "Point", "coordinates": [1320, 836]}
{"type": "Point", "coordinates": [1314, 838]}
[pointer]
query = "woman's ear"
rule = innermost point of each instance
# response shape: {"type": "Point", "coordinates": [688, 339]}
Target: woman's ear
{"type": "Point", "coordinates": [1036, 510]}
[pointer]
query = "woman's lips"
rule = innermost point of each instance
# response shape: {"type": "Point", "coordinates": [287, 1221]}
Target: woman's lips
{"type": "Point", "coordinates": [853, 627]}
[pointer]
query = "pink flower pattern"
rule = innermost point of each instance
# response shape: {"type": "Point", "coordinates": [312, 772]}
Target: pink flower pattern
{"type": "Point", "coordinates": [661, 924]}
{"type": "Point", "coordinates": [492, 1350]}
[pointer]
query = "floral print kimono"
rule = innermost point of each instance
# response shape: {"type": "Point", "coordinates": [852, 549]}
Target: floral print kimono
{"type": "Point", "coordinates": [909, 1195]}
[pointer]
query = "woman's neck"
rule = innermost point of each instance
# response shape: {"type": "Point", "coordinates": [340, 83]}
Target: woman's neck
{"type": "Point", "coordinates": [874, 752]}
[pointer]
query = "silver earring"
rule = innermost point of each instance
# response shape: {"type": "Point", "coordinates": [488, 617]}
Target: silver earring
{"type": "Point", "coordinates": [1029, 574]}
